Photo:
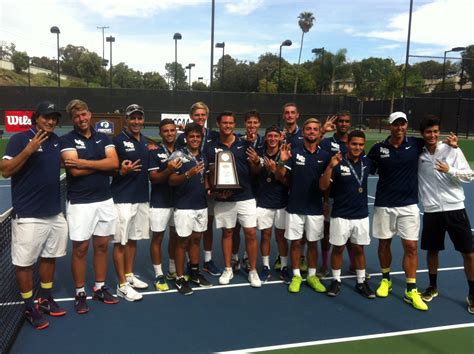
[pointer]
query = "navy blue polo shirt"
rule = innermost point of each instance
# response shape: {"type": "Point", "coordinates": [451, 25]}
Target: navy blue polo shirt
{"type": "Point", "coordinates": [161, 195]}
{"type": "Point", "coordinates": [209, 136]}
{"type": "Point", "coordinates": [398, 172]}
{"type": "Point", "coordinates": [305, 170]}
{"type": "Point", "coordinates": [132, 187]}
{"type": "Point", "coordinates": [257, 144]}
{"type": "Point", "coordinates": [238, 148]}
{"type": "Point", "coordinates": [96, 186]}
{"type": "Point", "coordinates": [295, 138]}
{"type": "Point", "coordinates": [36, 186]}
{"type": "Point", "coordinates": [333, 145]}
{"type": "Point", "coordinates": [271, 194]}
{"type": "Point", "coordinates": [348, 202]}
{"type": "Point", "coordinates": [192, 193]}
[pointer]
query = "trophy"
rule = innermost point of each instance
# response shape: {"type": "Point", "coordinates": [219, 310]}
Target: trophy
{"type": "Point", "coordinates": [225, 176]}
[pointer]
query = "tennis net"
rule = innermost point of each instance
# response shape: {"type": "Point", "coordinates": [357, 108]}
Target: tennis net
{"type": "Point", "coordinates": [11, 304]}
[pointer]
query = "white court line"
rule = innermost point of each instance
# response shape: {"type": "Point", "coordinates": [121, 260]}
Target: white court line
{"type": "Point", "coordinates": [350, 339]}
{"type": "Point", "coordinates": [240, 285]}
{"type": "Point", "coordinates": [5, 186]}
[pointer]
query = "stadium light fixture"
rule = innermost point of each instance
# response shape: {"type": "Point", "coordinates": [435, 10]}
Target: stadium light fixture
{"type": "Point", "coordinates": [222, 45]}
{"type": "Point", "coordinates": [55, 30]}
{"type": "Point", "coordinates": [285, 43]}
{"type": "Point", "coordinates": [455, 49]}
{"type": "Point", "coordinates": [111, 40]}
{"type": "Point", "coordinates": [189, 68]}
{"type": "Point", "coordinates": [177, 36]}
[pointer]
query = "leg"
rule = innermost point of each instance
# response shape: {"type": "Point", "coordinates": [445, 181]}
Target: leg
{"type": "Point", "coordinates": [312, 254]}
{"type": "Point", "coordinates": [410, 258]}
{"type": "Point", "coordinates": [227, 235]}
{"type": "Point", "coordinates": [266, 235]}
{"type": "Point", "coordinates": [119, 262]}
{"type": "Point", "coordinates": [251, 246]}
{"type": "Point", "coordinates": [155, 252]}
{"type": "Point", "coordinates": [182, 246]}
{"type": "Point", "coordinates": [79, 262]}
{"type": "Point", "coordinates": [101, 245]}
{"type": "Point", "coordinates": [130, 255]}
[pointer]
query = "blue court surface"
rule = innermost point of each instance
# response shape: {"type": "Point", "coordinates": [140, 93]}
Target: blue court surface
{"type": "Point", "coordinates": [238, 317]}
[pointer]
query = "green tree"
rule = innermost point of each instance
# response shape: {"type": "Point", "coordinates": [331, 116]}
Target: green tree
{"type": "Point", "coordinates": [305, 21]}
{"type": "Point", "coordinates": [125, 77]}
{"type": "Point", "coordinates": [44, 63]}
{"type": "Point", "coordinates": [153, 80]}
{"type": "Point", "coordinates": [19, 61]}
{"type": "Point", "coordinates": [429, 69]}
{"type": "Point", "coordinates": [70, 56]}
{"type": "Point", "coordinates": [182, 79]}
{"type": "Point", "coordinates": [199, 86]}
{"type": "Point", "coordinates": [468, 64]}
{"type": "Point", "coordinates": [89, 67]}
{"type": "Point", "coordinates": [267, 86]}
{"type": "Point", "coordinates": [368, 73]}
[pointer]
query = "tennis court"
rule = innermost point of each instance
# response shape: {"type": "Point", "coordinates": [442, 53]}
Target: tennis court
{"type": "Point", "coordinates": [239, 318]}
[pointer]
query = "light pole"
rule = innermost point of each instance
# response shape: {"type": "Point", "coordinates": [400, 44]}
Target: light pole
{"type": "Point", "coordinates": [29, 76]}
{"type": "Point", "coordinates": [455, 49]}
{"type": "Point", "coordinates": [177, 36]}
{"type": "Point", "coordinates": [110, 39]}
{"type": "Point", "coordinates": [222, 45]}
{"type": "Point", "coordinates": [285, 43]}
{"type": "Point", "coordinates": [320, 51]}
{"type": "Point", "coordinates": [103, 49]}
{"type": "Point", "coordinates": [56, 30]}
{"type": "Point", "coordinates": [189, 68]}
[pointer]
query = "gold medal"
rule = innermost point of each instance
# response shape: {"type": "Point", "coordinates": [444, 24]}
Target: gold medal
{"type": "Point", "coordinates": [269, 179]}
{"type": "Point", "coordinates": [360, 189]}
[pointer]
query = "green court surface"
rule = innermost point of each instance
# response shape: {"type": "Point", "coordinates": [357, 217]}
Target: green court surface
{"type": "Point", "coordinates": [453, 341]}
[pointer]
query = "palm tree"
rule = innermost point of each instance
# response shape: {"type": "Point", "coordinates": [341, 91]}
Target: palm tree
{"type": "Point", "coordinates": [305, 21]}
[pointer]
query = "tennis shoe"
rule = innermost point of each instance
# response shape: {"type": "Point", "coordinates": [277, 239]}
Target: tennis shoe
{"type": "Point", "coordinates": [384, 288]}
{"type": "Point", "coordinates": [246, 264]}
{"type": "Point", "coordinates": [323, 272]}
{"type": "Point", "coordinates": [50, 307]}
{"type": "Point", "coordinates": [136, 283]}
{"type": "Point", "coordinates": [365, 290]}
{"type": "Point", "coordinates": [211, 268]}
{"type": "Point", "coordinates": [200, 280]}
{"type": "Point", "coordinates": [34, 316]}
{"type": "Point", "coordinates": [314, 283]}
{"type": "Point", "coordinates": [429, 294]}
{"type": "Point", "coordinates": [80, 303]}
{"type": "Point", "coordinates": [413, 297]}
{"type": "Point", "coordinates": [161, 284]}
{"type": "Point", "coordinates": [171, 276]}
{"type": "Point", "coordinates": [254, 279]}
{"type": "Point", "coordinates": [226, 276]}
{"type": "Point", "coordinates": [334, 288]}
{"type": "Point", "coordinates": [183, 286]}
{"type": "Point", "coordinates": [285, 275]}
{"type": "Point", "coordinates": [277, 264]}
{"type": "Point", "coordinates": [470, 303]}
{"type": "Point", "coordinates": [295, 285]}
{"type": "Point", "coordinates": [265, 274]}
{"type": "Point", "coordinates": [303, 265]}
{"type": "Point", "coordinates": [128, 293]}
{"type": "Point", "coordinates": [235, 264]}
{"type": "Point", "coordinates": [104, 295]}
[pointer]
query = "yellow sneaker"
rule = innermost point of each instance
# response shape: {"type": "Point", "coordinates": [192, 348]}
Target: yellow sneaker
{"type": "Point", "coordinates": [413, 297]}
{"type": "Point", "coordinates": [161, 284]}
{"type": "Point", "coordinates": [295, 284]}
{"type": "Point", "coordinates": [384, 288]}
{"type": "Point", "coordinates": [315, 284]}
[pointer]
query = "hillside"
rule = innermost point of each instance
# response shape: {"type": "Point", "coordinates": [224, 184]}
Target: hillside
{"type": "Point", "coordinates": [11, 78]}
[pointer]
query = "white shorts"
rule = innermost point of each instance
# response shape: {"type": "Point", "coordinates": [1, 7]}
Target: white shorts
{"type": "Point", "coordinates": [341, 230]}
{"type": "Point", "coordinates": [133, 222]}
{"type": "Point", "coordinates": [189, 220]}
{"type": "Point", "coordinates": [226, 214]}
{"type": "Point", "coordinates": [297, 224]}
{"type": "Point", "coordinates": [38, 237]}
{"type": "Point", "coordinates": [91, 219]}
{"type": "Point", "coordinates": [266, 218]}
{"type": "Point", "coordinates": [402, 221]}
{"type": "Point", "coordinates": [160, 218]}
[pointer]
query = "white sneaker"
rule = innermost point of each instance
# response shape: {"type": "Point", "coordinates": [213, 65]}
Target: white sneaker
{"type": "Point", "coordinates": [136, 283]}
{"type": "Point", "coordinates": [254, 279]}
{"type": "Point", "coordinates": [226, 276]}
{"type": "Point", "coordinates": [128, 293]}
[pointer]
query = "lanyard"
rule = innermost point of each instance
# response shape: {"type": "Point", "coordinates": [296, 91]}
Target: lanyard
{"type": "Point", "coordinates": [361, 179]}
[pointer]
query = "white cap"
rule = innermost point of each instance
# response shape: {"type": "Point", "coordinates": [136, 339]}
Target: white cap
{"type": "Point", "coordinates": [396, 115]}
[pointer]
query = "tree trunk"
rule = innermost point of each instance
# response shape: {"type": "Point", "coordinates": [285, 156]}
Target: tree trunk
{"type": "Point", "coordinates": [299, 59]}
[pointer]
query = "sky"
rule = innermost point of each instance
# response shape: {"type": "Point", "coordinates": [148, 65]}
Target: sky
{"type": "Point", "coordinates": [144, 29]}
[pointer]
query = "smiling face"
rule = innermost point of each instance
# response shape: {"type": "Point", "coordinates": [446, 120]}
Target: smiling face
{"type": "Point", "coordinates": [226, 125]}
{"type": "Point", "coordinates": [312, 132]}
{"type": "Point", "coordinates": [431, 135]}
{"type": "Point", "coordinates": [398, 128]}
{"type": "Point", "coordinates": [251, 125]}
{"type": "Point", "coordinates": [290, 115]}
{"type": "Point", "coordinates": [199, 116]}
{"type": "Point", "coordinates": [355, 147]}
{"type": "Point", "coordinates": [193, 140]}
{"type": "Point", "coordinates": [81, 119]}
{"type": "Point", "coordinates": [135, 123]}
{"type": "Point", "coordinates": [168, 133]}
{"type": "Point", "coordinates": [47, 123]}
{"type": "Point", "coordinates": [343, 124]}
{"type": "Point", "coordinates": [272, 139]}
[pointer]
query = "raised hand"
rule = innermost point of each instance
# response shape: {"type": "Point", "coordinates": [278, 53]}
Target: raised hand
{"type": "Point", "coordinates": [336, 159]}
{"type": "Point", "coordinates": [330, 124]}
{"type": "Point", "coordinates": [175, 164]}
{"type": "Point", "coordinates": [285, 152]}
{"type": "Point", "coordinates": [128, 166]}
{"type": "Point", "coordinates": [253, 156]}
{"type": "Point", "coordinates": [452, 140]}
{"type": "Point", "coordinates": [269, 164]}
{"type": "Point", "coordinates": [40, 137]}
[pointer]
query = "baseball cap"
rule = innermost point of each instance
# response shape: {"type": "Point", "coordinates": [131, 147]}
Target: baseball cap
{"type": "Point", "coordinates": [134, 108]}
{"type": "Point", "coordinates": [47, 108]}
{"type": "Point", "coordinates": [273, 128]}
{"type": "Point", "coordinates": [396, 115]}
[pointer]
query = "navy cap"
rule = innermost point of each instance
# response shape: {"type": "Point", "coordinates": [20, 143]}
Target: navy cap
{"type": "Point", "coordinates": [47, 108]}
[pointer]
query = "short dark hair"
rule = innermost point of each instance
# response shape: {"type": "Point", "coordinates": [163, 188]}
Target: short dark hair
{"type": "Point", "coordinates": [290, 104]}
{"type": "Point", "coordinates": [429, 121]}
{"type": "Point", "coordinates": [252, 113]}
{"type": "Point", "coordinates": [193, 128]}
{"type": "Point", "coordinates": [344, 114]}
{"type": "Point", "coordinates": [225, 114]}
{"type": "Point", "coordinates": [272, 128]}
{"type": "Point", "coordinates": [166, 121]}
{"type": "Point", "coordinates": [356, 134]}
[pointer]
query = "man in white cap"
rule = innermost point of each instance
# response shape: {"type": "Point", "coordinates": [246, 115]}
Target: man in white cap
{"type": "Point", "coordinates": [396, 211]}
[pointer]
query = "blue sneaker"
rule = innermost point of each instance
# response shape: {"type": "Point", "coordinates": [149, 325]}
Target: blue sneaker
{"type": "Point", "coordinates": [285, 275]}
{"type": "Point", "coordinates": [211, 268]}
{"type": "Point", "coordinates": [265, 274]}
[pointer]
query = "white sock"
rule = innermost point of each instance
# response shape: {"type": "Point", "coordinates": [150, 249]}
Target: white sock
{"type": "Point", "coordinates": [360, 274]}
{"type": "Point", "coordinates": [246, 255]}
{"type": "Point", "coordinates": [311, 272]}
{"type": "Point", "coordinates": [235, 257]}
{"type": "Point", "coordinates": [229, 269]}
{"type": "Point", "coordinates": [266, 261]}
{"type": "Point", "coordinates": [158, 270]}
{"type": "Point", "coordinates": [187, 257]}
{"type": "Point", "coordinates": [296, 272]}
{"type": "Point", "coordinates": [80, 290]}
{"type": "Point", "coordinates": [284, 261]}
{"type": "Point", "coordinates": [336, 273]}
{"type": "Point", "coordinates": [207, 256]}
{"type": "Point", "coordinates": [99, 284]}
{"type": "Point", "coordinates": [172, 266]}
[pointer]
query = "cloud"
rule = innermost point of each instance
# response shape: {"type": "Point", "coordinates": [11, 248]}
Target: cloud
{"type": "Point", "coordinates": [389, 46]}
{"type": "Point", "coordinates": [243, 7]}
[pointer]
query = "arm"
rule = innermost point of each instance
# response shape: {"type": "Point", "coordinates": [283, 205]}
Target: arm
{"type": "Point", "coordinates": [285, 155]}
{"type": "Point", "coordinates": [75, 165]}
{"type": "Point", "coordinates": [459, 168]}
{"type": "Point", "coordinates": [10, 167]}
{"type": "Point", "coordinates": [177, 179]}
{"type": "Point", "coordinates": [157, 176]}
{"type": "Point", "coordinates": [254, 159]}
{"type": "Point", "coordinates": [325, 180]}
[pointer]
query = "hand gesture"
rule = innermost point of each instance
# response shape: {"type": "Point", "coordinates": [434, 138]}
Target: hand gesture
{"type": "Point", "coordinates": [128, 166]}
{"type": "Point", "coordinates": [174, 165]}
{"type": "Point", "coordinates": [441, 166]}
{"type": "Point", "coordinates": [40, 137]}
{"type": "Point", "coordinates": [330, 124]}
{"type": "Point", "coordinates": [199, 168]}
{"type": "Point", "coordinates": [269, 164]}
{"type": "Point", "coordinates": [335, 160]}
{"type": "Point", "coordinates": [285, 152]}
{"type": "Point", "coordinates": [253, 156]}
{"type": "Point", "coordinates": [452, 140]}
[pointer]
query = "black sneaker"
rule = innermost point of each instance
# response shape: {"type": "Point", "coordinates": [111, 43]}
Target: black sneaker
{"type": "Point", "coordinates": [246, 264]}
{"type": "Point", "coordinates": [50, 307]}
{"type": "Point", "coordinates": [36, 318]}
{"type": "Point", "coordinates": [103, 295]}
{"type": "Point", "coordinates": [80, 303]}
{"type": "Point", "coordinates": [365, 290]}
{"type": "Point", "coordinates": [429, 294]}
{"type": "Point", "coordinates": [235, 264]}
{"type": "Point", "coordinates": [334, 289]}
{"type": "Point", "coordinates": [199, 279]}
{"type": "Point", "coordinates": [183, 286]}
{"type": "Point", "coordinates": [470, 303]}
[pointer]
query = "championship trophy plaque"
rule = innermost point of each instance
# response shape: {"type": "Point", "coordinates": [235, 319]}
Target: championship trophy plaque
{"type": "Point", "coordinates": [225, 176]}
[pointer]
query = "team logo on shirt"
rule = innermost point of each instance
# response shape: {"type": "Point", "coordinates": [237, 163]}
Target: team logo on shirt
{"type": "Point", "coordinates": [163, 157]}
{"type": "Point", "coordinates": [334, 146]}
{"type": "Point", "coordinates": [345, 171]}
{"type": "Point", "coordinates": [128, 146]}
{"type": "Point", "coordinates": [384, 152]}
{"type": "Point", "coordinates": [300, 159]}
{"type": "Point", "coordinates": [79, 144]}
